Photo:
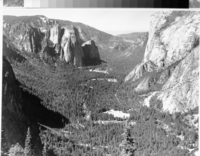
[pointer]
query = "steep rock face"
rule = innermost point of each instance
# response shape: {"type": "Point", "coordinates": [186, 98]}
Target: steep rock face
{"type": "Point", "coordinates": [9, 52]}
{"type": "Point", "coordinates": [72, 49]}
{"type": "Point", "coordinates": [63, 43]}
{"type": "Point", "coordinates": [54, 36]}
{"type": "Point", "coordinates": [52, 39]}
{"type": "Point", "coordinates": [172, 44]}
{"type": "Point", "coordinates": [181, 91]}
{"type": "Point", "coordinates": [14, 121]}
{"type": "Point", "coordinates": [140, 69]}
{"type": "Point", "coordinates": [34, 36]}
{"type": "Point", "coordinates": [166, 28]}
{"type": "Point", "coordinates": [91, 53]}
{"type": "Point", "coordinates": [26, 37]}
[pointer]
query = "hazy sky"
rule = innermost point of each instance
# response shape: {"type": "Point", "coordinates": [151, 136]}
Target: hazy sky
{"type": "Point", "coordinates": [113, 21]}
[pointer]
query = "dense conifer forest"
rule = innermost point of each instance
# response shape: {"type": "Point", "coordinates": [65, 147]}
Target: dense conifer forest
{"type": "Point", "coordinates": [79, 96]}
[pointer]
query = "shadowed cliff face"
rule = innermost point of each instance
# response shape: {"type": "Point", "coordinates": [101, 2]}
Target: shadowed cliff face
{"type": "Point", "coordinates": [91, 53]}
{"type": "Point", "coordinates": [21, 110]}
{"type": "Point", "coordinates": [14, 121]}
{"type": "Point", "coordinates": [173, 39]}
{"type": "Point", "coordinates": [11, 107]}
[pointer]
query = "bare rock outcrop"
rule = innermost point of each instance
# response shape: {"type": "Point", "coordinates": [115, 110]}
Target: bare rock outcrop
{"type": "Point", "coordinates": [26, 37]}
{"type": "Point", "coordinates": [167, 43]}
{"type": "Point", "coordinates": [181, 91]}
{"type": "Point", "coordinates": [66, 43]}
{"type": "Point", "coordinates": [171, 52]}
{"type": "Point", "coordinates": [139, 70]}
{"type": "Point", "coordinates": [71, 47]}
{"type": "Point", "coordinates": [91, 53]}
{"type": "Point", "coordinates": [10, 52]}
{"type": "Point", "coordinates": [51, 39]}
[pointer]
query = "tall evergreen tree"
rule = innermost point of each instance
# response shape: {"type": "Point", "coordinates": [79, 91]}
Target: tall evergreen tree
{"type": "Point", "coordinates": [44, 151]}
{"type": "Point", "coordinates": [27, 149]}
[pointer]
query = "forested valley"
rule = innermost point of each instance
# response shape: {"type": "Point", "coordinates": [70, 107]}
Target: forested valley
{"type": "Point", "coordinates": [62, 97]}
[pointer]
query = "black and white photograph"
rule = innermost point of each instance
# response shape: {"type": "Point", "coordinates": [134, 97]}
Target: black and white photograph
{"type": "Point", "coordinates": [100, 82]}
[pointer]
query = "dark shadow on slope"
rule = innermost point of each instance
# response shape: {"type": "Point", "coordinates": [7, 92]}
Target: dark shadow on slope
{"type": "Point", "coordinates": [14, 121]}
{"type": "Point", "coordinates": [49, 54]}
{"type": "Point", "coordinates": [38, 113]}
{"type": "Point", "coordinates": [35, 39]}
{"type": "Point", "coordinates": [92, 62]}
{"type": "Point", "coordinates": [91, 53]}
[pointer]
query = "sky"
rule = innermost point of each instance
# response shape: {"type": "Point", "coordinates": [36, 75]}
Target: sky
{"type": "Point", "coordinates": [112, 21]}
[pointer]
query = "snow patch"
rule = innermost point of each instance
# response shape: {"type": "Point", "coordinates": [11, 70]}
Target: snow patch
{"type": "Point", "coordinates": [99, 71]}
{"type": "Point", "coordinates": [109, 80]}
{"type": "Point", "coordinates": [118, 114]}
{"type": "Point", "coordinates": [112, 80]}
{"type": "Point", "coordinates": [106, 122]}
{"type": "Point", "coordinates": [147, 100]}
{"type": "Point", "coordinates": [196, 153]}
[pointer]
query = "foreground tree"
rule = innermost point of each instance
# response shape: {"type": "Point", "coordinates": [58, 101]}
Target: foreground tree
{"type": "Point", "coordinates": [16, 150]}
{"type": "Point", "coordinates": [27, 149]}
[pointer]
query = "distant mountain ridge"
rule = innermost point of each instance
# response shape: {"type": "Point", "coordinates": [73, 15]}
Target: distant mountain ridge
{"type": "Point", "coordinates": [86, 32]}
{"type": "Point", "coordinates": [51, 32]}
{"type": "Point", "coordinates": [132, 36]}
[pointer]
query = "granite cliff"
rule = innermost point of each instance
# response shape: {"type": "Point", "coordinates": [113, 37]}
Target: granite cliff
{"type": "Point", "coordinates": [57, 40]}
{"type": "Point", "coordinates": [91, 53]}
{"type": "Point", "coordinates": [169, 70]}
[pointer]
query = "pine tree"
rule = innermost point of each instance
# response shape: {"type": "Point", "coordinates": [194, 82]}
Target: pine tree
{"type": "Point", "coordinates": [44, 151]}
{"type": "Point", "coordinates": [27, 149]}
{"type": "Point", "coordinates": [129, 143]}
